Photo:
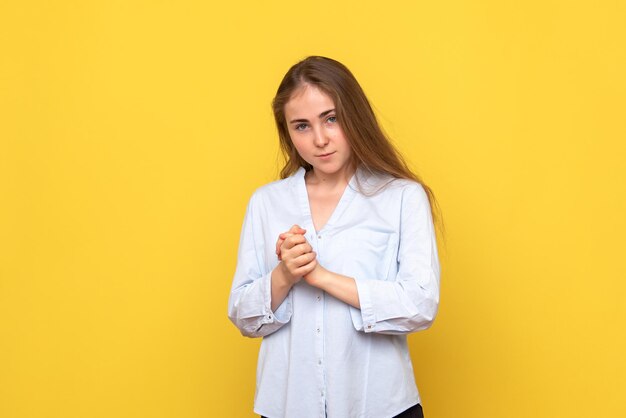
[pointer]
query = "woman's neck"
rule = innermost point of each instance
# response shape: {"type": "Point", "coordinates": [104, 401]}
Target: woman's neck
{"type": "Point", "coordinates": [329, 181]}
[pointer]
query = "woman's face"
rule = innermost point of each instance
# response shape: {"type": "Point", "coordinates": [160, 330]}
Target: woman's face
{"type": "Point", "coordinates": [316, 133]}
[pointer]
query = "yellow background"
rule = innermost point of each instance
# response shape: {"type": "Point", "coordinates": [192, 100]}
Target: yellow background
{"type": "Point", "coordinates": [132, 134]}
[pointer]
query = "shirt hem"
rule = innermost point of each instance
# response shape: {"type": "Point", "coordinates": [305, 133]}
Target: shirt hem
{"type": "Point", "coordinates": [398, 412]}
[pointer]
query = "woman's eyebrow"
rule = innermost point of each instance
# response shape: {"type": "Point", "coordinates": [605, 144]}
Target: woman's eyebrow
{"type": "Point", "coordinates": [321, 115]}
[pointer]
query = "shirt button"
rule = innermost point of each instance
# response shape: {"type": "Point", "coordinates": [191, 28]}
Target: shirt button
{"type": "Point", "coordinates": [369, 327]}
{"type": "Point", "coordinates": [319, 236]}
{"type": "Point", "coordinates": [318, 330]}
{"type": "Point", "coordinates": [319, 362]}
{"type": "Point", "coordinates": [322, 393]}
{"type": "Point", "coordinates": [319, 297]}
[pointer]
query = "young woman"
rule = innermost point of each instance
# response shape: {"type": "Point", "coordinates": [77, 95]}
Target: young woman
{"type": "Point", "coordinates": [337, 261]}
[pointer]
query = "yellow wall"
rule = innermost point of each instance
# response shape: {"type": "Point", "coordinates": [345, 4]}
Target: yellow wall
{"type": "Point", "coordinates": [133, 132]}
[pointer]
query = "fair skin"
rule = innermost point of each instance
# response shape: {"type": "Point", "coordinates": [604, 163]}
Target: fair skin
{"type": "Point", "coordinates": [320, 141]}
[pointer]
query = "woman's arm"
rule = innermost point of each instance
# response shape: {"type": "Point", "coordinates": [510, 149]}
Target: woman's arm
{"type": "Point", "coordinates": [409, 301]}
{"type": "Point", "coordinates": [297, 260]}
{"type": "Point", "coordinates": [340, 286]}
{"type": "Point", "coordinates": [250, 304]}
{"type": "Point", "coordinates": [400, 305]}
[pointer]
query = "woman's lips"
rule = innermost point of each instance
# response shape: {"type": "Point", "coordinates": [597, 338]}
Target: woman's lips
{"type": "Point", "coordinates": [326, 156]}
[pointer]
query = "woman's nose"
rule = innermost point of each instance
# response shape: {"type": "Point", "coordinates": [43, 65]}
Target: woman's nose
{"type": "Point", "coordinates": [320, 139]}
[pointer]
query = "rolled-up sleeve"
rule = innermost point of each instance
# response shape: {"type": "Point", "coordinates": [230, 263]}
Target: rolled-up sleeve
{"type": "Point", "coordinates": [408, 302]}
{"type": "Point", "coordinates": [249, 303]}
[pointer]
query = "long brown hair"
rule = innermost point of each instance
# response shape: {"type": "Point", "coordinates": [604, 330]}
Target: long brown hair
{"type": "Point", "coordinates": [371, 148]}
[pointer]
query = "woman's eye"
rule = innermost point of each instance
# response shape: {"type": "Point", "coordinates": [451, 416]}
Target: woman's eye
{"type": "Point", "coordinates": [332, 119]}
{"type": "Point", "coordinates": [300, 126]}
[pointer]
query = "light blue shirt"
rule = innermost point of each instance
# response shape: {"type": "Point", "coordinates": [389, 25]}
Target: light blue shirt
{"type": "Point", "coordinates": [319, 356]}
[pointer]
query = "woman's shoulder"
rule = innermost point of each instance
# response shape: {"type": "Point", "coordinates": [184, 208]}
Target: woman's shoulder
{"type": "Point", "coordinates": [275, 188]}
{"type": "Point", "coordinates": [374, 183]}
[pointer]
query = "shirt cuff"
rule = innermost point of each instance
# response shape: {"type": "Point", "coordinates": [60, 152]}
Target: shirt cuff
{"type": "Point", "coordinates": [282, 314]}
{"type": "Point", "coordinates": [368, 319]}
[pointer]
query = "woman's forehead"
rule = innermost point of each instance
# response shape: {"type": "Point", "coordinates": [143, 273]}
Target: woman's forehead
{"type": "Point", "coordinates": [308, 96]}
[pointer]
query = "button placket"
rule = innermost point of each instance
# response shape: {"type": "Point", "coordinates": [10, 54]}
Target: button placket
{"type": "Point", "coordinates": [316, 242]}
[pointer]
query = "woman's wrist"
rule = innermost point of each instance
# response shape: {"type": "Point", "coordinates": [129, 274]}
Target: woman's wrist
{"type": "Point", "coordinates": [280, 286]}
{"type": "Point", "coordinates": [319, 277]}
{"type": "Point", "coordinates": [340, 286]}
{"type": "Point", "coordinates": [281, 277]}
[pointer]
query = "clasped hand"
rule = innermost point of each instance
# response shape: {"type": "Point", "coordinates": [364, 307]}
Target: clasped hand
{"type": "Point", "coordinates": [298, 260]}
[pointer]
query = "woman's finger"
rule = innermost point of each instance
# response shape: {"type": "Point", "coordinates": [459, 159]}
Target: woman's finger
{"type": "Point", "coordinates": [280, 241]}
{"type": "Point", "coordinates": [305, 259]}
{"type": "Point", "coordinates": [307, 268]}
{"type": "Point", "coordinates": [295, 229]}
{"type": "Point", "coordinates": [291, 241]}
{"type": "Point", "coordinates": [297, 256]}
{"type": "Point", "coordinates": [292, 231]}
{"type": "Point", "coordinates": [303, 248]}
{"type": "Point", "coordinates": [300, 265]}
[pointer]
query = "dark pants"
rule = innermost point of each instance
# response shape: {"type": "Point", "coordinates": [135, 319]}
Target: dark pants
{"type": "Point", "coordinates": [413, 412]}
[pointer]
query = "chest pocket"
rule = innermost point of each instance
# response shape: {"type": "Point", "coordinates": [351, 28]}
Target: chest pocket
{"type": "Point", "coordinates": [367, 254]}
